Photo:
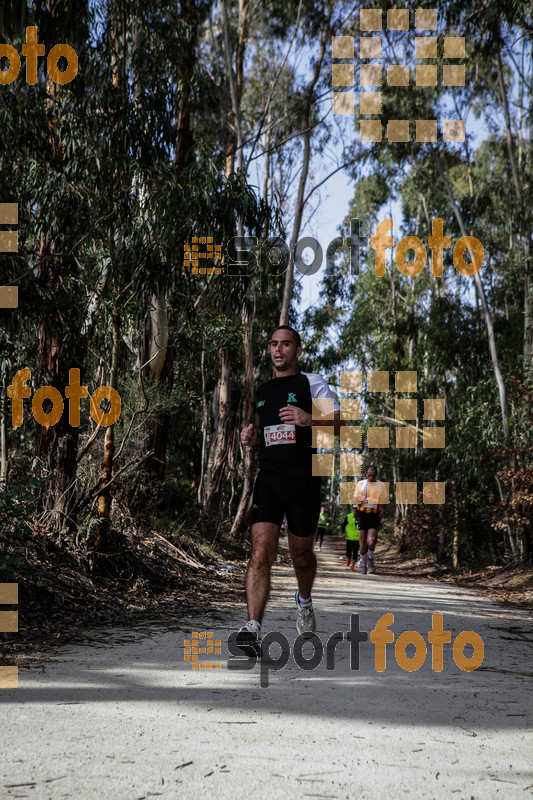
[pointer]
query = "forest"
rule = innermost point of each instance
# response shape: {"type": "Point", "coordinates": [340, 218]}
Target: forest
{"type": "Point", "coordinates": [212, 127]}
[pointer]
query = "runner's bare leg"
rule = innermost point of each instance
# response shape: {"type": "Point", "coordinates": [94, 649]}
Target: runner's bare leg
{"type": "Point", "coordinates": [265, 537]}
{"type": "Point", "coordinates": [304, 561]}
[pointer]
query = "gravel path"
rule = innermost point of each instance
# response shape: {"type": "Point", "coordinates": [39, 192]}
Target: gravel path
{"type": "Point", "coordinates": [129, 718]}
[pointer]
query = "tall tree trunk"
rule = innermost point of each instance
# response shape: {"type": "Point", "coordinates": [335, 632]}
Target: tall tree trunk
{"type": "Point", "coordinates": [219, 445]}
{"type": "Point", "coordinates": [4, 454]}
{"type": "Point", "coordinates": [235, 83]}
{"type": "Point", "coordinates": [455, 542]}
{"type": "Point", "coordinates": [159, 367]}
{"type": "Point", "coordinates": [159, 354]}
{"type": "Point", "coordinates": [523, 219]}
{"type": "Point", "coordinates": [235, 149]}
{"type": "Point", "coordinates": [184, 134]}
{"type": "Point", "coordinates": [242, 516]}
{"type": "Point", "coordinates": [486, 311]}
{"type": "Point", "coordinates": [300, 200]}
{"type": "Point", "coordinates": [205, 424]}
{"type": "Point", "coordinates": [56, 446]}
{"type": "Point", "coordinates": [103, 540]}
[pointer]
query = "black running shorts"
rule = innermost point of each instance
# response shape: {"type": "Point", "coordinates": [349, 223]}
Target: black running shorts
{"type": "Point", "coordinates": [367, 520]}
{"type": "Point", "coordinates": [296, 496]}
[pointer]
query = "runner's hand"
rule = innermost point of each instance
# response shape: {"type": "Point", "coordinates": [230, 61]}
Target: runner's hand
{"type": "Point", "coordinates": [295, 416]}
{"type": "Point", "coordinates": [249, 436]}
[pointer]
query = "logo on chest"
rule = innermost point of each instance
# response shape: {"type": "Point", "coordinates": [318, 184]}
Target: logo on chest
{"type": "Point", "coordinates": [291, 398]}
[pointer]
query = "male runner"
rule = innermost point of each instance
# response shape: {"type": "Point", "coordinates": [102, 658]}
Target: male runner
{"type": "Point", "coordinates": [284, 484]}
{"type": "Point", "coordinates": [368, 496]}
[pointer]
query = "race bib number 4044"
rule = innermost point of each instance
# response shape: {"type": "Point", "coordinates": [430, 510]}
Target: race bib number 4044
{"type": "Point", "coordinates": [280, 434]}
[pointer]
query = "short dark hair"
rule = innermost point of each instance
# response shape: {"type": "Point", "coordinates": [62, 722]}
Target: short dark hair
{"type": "Point", "coordinates": [294, 333]}
{"type": "Point", "coordinates": [372, 466]}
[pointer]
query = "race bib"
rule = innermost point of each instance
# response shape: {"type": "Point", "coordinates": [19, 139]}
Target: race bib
{"type": "Point", "coordinates": [280, 434]}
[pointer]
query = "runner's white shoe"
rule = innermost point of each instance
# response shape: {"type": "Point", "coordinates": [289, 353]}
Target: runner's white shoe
{"type": "Point", "coordinates": [248, 640]}
{"type": "Point", "coordinates": [305, 621]}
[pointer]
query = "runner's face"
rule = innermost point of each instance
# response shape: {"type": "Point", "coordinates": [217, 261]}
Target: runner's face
{"type": "Point", "coordinates": [284, 351]}
{"type": "Point", "coordinates": [371, 475]}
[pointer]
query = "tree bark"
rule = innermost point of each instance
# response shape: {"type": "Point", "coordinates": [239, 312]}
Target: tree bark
{"type": "Point", "coordinates": [159, 353]}
{"type": "Point", "coordinates": [184, 134]}
{"type": "Point", "coordinates": [219, 446]}
{"type": "Point", "coordinates": [486, 311]}
{"type": "Point", "coordinates": [4, 464]}
{"type": "Point", "coordinates": [300, 201]}
{"type": "Point", "coordinates": [525, 234]}
{"type": "Point", "coordinates": [56, 446]}
{"type": "Point", "coordinates": [455, 542]}
{"type": "Point", "coordinates": [103, 540]}
{"type": "Point", "coordinates": [241, 520]}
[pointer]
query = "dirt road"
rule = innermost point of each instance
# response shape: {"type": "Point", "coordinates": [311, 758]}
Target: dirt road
{"type": "Point", "coordinates": [131, 719]}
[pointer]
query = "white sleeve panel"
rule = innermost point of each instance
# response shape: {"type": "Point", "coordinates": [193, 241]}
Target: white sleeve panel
{"type": "Point", "coordinates": [319, 388]}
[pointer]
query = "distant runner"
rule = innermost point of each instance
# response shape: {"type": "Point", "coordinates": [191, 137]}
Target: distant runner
{"type": "Point", "coordinates": [284, 484]}
{"type": "Point", "coordinates": [352, 538]}
{"type": "Point", "coordinates": [368, 496]}
{"type": "Point", "coordinates": [321, 527]}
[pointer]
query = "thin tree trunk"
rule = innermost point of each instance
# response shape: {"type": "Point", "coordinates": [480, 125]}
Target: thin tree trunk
{"type": "Point", "coordinates": [205, 423]}
{"type": "Point", "coordinates": [241, 518]}
{"type": "Point", "coordinates": [156, 352]}
{"type": "Point", "coordinates": [56, 446]}
{"type": "Point", "coordinates": [235, 83]}
{"type": "Point", "coordinates": [455, 542]}
{"type": "Point", "coordinates": [219, 446]}
{"type": "Point", "coordinates": [184, 134]}
{"type": "Point", "coordinates": [4, 463]}
{"type": "Point", "coordinates": [102, 540]}
{"type": "Point", "coordinates": [509, 529]}
{"type": "Point", "coordinates": [300, 201]}
{"type": "Point", "coordinates": [525, 235]}
{"type": "Point", "coordinates": [486, 311]}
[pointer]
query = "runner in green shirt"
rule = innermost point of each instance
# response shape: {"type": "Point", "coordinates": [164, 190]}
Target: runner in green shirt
{"type": "Point", "coordinates": [352, 538]}
{"type": "Point", "coordinates": [321, 527]}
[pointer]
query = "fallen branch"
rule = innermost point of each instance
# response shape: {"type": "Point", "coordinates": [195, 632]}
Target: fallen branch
{"type": "Point", "coordinates": [175, 552]}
